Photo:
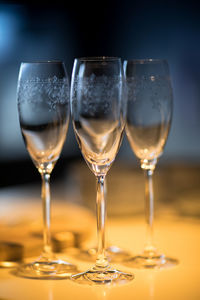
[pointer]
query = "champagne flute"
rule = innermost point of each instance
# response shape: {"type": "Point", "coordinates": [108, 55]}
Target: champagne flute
{"type": "Point", "coordinates": [113, 253]}
{"type": "Point", "coordinates": [98, 108]}
{"type": "Point", "coordinates": [43, 107]}
{"type": "Point", "coordinates": [149, 114]}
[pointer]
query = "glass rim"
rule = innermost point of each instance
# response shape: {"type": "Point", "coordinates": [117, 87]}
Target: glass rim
{"type": "Point", "coordinates": [43, 62]}
{"type": "Point", "coordinates": [146, 60]}
{"type": "Point", "coordinates": [97, 58]}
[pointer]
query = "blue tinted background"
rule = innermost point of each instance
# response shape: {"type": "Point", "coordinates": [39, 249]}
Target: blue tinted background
{"type": "Point", "coordinates": [128, 29]}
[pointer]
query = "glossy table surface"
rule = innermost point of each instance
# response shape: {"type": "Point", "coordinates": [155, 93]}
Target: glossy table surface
{"type": "Point", "coordinates": [176, 233]}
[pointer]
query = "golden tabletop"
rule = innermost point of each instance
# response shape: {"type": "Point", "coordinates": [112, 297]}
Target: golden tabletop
{"type": "Point", "coordinates": [176, 233]}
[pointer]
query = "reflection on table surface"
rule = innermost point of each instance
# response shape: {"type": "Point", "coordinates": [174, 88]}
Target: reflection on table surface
{"type": "Point", "coordinates": [177, 233]}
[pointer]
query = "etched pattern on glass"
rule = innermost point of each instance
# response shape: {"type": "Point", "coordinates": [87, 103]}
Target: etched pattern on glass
{"type": "Point", "coordinates": [38, 90]}
{"type": "Point", "coordinates": [149, 86]}
{"type": "Point", "coordinates": [95, 94]}
{"type": "Point", "coordinates": [148, 114]}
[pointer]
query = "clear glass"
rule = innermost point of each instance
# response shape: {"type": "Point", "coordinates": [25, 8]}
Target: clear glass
{"type": "Point", "coordinates": [113, 252]}
{"type": "Point", "coordinates": [43, 107]}
{"type": "Point", "coordinates": [149, 114]}
{"type": "Point", "coordinates": [98, 108]}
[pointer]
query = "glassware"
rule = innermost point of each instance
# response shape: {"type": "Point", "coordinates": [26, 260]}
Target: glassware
{"type": "Point", "coordinates": [43, 107]}
{"type": "Point", "coordinates": [149, 114]}
{"type": "Point", "coordinates": [113, 253]}
{"type": "Point", "coordinates": [98, 108]}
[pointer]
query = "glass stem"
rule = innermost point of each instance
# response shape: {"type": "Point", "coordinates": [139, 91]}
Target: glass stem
{"type": "Point", "coordinates": [149, 207]}
{"type": "Point", "coordinates": [46, 215]}
{"type": "Point", "coordinates": [101, 261]}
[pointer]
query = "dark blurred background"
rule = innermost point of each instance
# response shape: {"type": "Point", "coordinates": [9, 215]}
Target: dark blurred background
{"type": "Point", "coordinates": [128, 29]}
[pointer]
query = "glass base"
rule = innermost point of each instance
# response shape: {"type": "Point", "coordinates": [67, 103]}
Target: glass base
{"type": "Point", "coordinates": [113, 253]}
{"type": "Point", "coordinates": [151, 261]}
{"type": "Point", "coordinates": [46, 269]}
{"type": "Point", "coordinates": [102, 277]}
